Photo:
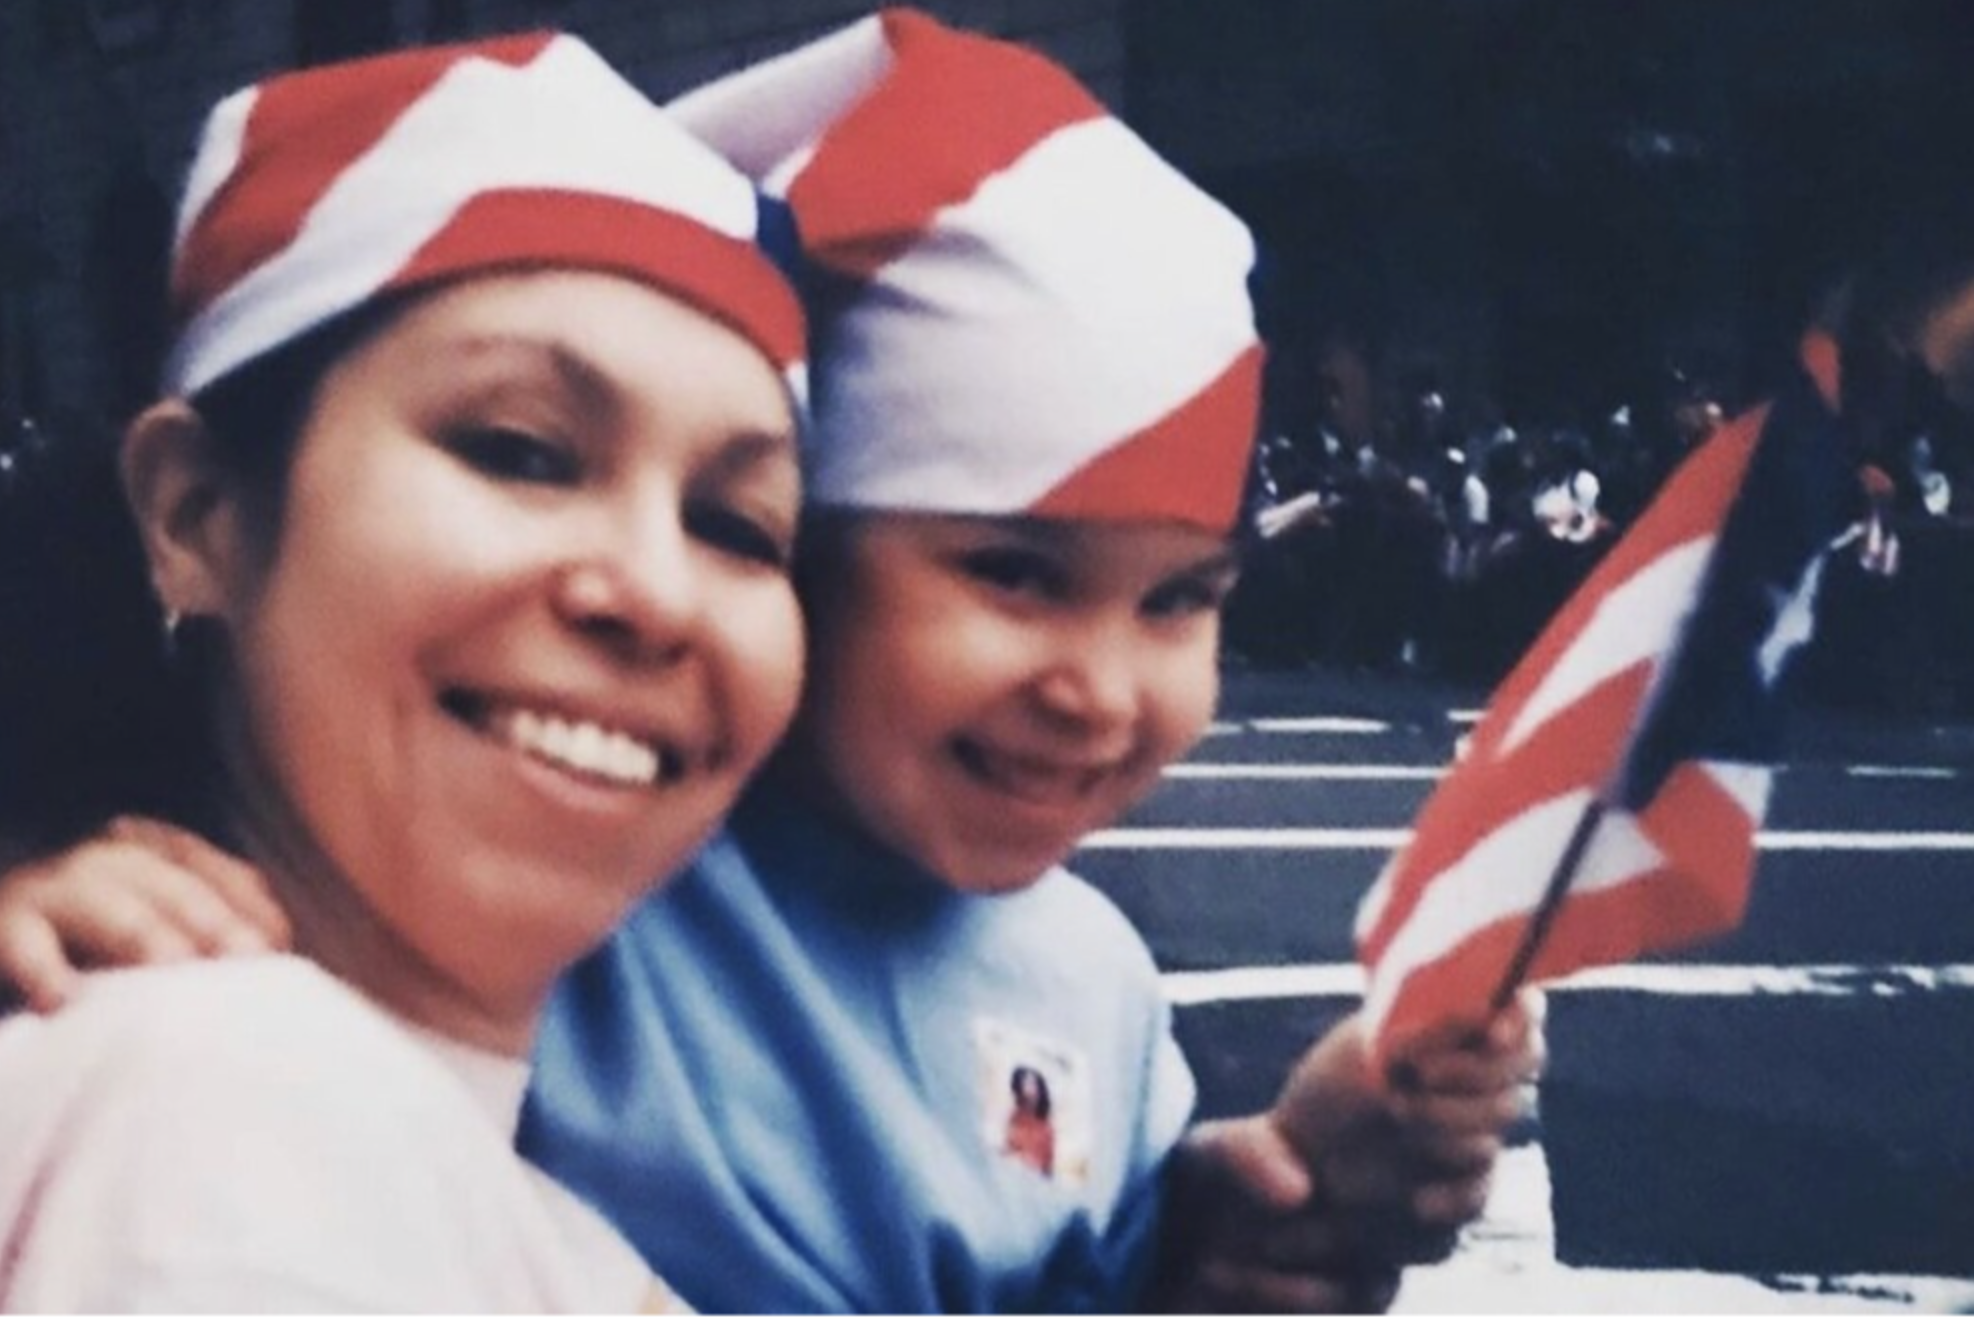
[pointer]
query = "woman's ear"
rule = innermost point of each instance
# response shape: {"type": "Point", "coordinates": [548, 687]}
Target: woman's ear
{"type": "Point", "coordinates": [185, 508]}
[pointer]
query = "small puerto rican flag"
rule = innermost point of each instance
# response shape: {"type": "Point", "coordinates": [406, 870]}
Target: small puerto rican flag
{"type": "Point", "coordinates": [1608, 802]}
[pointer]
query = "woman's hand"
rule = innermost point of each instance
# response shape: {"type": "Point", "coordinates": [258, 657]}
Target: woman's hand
{"type": "Point", "coordinates": [140, 892]}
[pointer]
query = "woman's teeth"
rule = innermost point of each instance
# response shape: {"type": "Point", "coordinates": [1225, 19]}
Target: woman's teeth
{"type": "Point", "coordinates": [585, 748]}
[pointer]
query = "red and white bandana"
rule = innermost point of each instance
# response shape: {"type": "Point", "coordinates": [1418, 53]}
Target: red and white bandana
{"type": "Point", "coordinates": [1029, 311]}
{"type": "Point", "coordinates": [314, 192]}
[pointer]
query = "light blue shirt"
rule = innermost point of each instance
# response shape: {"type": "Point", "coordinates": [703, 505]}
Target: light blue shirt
{"type": "Point", "coordinates": [788, 1080]}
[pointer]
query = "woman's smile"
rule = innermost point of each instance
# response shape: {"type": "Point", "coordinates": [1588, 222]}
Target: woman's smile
{"type": "Point", "coordinates": [595, 749]}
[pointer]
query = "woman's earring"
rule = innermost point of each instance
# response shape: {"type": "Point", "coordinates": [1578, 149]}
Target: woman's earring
{"type": "Point", "coordinates": [174, 620]}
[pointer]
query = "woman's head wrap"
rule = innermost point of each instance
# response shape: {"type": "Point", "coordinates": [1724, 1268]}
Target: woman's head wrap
{"type": "Point", "coordinates": [313, 193]}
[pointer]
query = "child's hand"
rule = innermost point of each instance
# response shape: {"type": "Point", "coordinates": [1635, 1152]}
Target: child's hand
{"type": "Point", "coordinates": [1405, 1165]}
{"type": "Point", "coordinates": [1246, 1234]}
{"type": "Point", "coordinates": [140, 892]}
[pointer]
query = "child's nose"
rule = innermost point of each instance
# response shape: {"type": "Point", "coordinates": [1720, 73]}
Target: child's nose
{"type": "Point", "coordinates": [1093, 677]}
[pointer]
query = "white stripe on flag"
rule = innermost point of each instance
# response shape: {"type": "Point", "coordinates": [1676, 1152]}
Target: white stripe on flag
{"type": "Point", "coordinates": [1505, 874]}
{"type": "Point", "coordinates": [1634, 622]}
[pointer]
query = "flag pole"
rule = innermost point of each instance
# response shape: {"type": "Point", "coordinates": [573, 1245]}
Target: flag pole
{"type": "Point", "coordinates": [1551, 903]}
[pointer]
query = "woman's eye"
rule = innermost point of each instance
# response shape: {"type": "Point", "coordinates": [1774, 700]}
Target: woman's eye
{"type": "Point", "coordinates": [1186, 596]}
{"type": "Point", "coordinates": [1011, 569]}
{"type": "Point", "coordinates": [517, 456]}
{"type": "Point", "coordinates": [737, 533]}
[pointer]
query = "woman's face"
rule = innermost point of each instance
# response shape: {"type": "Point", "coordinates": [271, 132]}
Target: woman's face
{"type": "Point", "coordinates": [525, 628]}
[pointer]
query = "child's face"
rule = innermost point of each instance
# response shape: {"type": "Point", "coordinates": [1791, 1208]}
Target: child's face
{"type": "Point", "coordinates": [527, 624]}
{"type": "Point", "coordinates": [986, 691]}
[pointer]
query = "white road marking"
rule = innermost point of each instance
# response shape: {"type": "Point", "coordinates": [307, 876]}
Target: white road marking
{"type": "Point", "coordinates": [1715, 980]}
{"type": "Point", "coordinates": [1298, 839]}
{"type": "Point", "coordinates": [1230, 770]}
{"type": "Point", "coordinates": [1506, 1265]}
{"type": "Point", "coordinates": [1901, 772]}
{"type": "Point", "coordinates": [1318, 724]}
{"type": "Point", "coordinates": [1464, 716]}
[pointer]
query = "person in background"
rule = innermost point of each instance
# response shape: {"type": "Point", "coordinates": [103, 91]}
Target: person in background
{"type": "Point", "coordinates": [467, 509]}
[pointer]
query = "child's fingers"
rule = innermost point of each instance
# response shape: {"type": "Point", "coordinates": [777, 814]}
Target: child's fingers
{"type": "Point", "coordinates": [1443, 1152]}
{"type": "Point", "coordinates": [1507, 1055]}
{"type": "Point", "coordinates": [1246, 1288]}
{"type": "Point", "coordinates": [1441, 1206]}
{"type": "Point", "coordinates": [1260, 1160]}
{"type": "Point", "coordinates": [116, 923]}
{"type": "Point", "coordinates": [33, 961]}
{"type": "Point", "coordinates": [240, 886]}
{"type": "Point", "coordinates": [1307, 1242]}
{"type": "Point", "coordinates": [1465, 1072]}
{"type": "Point", "coordinates": [188, 903]}
{"type": "Point", "coordinates": [1458, 1113]}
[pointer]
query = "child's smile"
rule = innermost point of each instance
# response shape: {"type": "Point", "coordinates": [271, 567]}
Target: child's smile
{"type": "Point", "coordinates": [1039, 781]}
{"type": "Point", "coordinates": [986, 691]}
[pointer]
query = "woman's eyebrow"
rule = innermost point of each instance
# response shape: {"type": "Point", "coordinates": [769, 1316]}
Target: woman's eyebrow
{"type": "Point", "coordinates": [756, 448]}
{"type": "Point", "coordinates": [1218, 566]}
{"type": "Point", "coordinates": [589, 386]}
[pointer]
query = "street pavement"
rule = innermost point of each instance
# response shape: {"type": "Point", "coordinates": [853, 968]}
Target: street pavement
{"type": "Point", "coordinates": [1780, 1120]}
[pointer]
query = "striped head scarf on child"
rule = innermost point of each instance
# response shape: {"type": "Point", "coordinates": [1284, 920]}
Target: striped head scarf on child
{"type": "Point", "coordinates": [1021, 307]}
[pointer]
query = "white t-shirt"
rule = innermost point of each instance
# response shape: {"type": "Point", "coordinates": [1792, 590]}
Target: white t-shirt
{"type": "Point", "coordinates": [254, 1135]}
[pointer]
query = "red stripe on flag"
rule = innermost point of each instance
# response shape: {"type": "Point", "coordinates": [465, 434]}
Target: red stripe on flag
{"type": "Point", "coordinates": [728, 279]}
{"type": "Point", "coordinates": [1189, 465]}
{"type": "Point", "coordinates": [303, 131]}
{"type": "Point", "coordinates": [960, 108]}
{"type": "Point", "coordinates": [1569, 753]}
{"type": "Point", "coordinates": [1707, 837]}
{"type": "Point", "coordinates": [1693, 502]}
{"type": "Point", "coordinates": [1651, 910]}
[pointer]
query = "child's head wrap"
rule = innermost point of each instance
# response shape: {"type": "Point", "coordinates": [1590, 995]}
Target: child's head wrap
{"type": "Point", "coordinates": [313, 193]}
{"type": "Point", "coordinates": [1025, 310]}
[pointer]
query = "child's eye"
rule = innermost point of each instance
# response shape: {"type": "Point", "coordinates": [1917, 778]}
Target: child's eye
{"type": "Point", "coordinates": [1013, 569]}
{"type": "Point", "coordinates": [734, 532]}
{"type": "Point", "coordinates": [1186, 596]}
{"type": "Point", "coordinates": [512, 455]}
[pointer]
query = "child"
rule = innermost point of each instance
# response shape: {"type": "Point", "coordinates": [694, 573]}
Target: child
{"type": "Point", "coordinates": [788, 1078]}
{"type": "Point", "coordinates": [467, 507]}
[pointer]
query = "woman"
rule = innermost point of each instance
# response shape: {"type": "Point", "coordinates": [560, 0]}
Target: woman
{"type": "Point", "coordinates": [468, 509]}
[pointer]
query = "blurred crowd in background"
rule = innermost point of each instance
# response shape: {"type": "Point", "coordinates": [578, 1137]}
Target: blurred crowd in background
{"type": "Point", "coordinates": [1437, 539]}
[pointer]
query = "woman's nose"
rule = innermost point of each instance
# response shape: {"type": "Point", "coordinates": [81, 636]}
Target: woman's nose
{"type": "Point", "coordinates": [639, 586]}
